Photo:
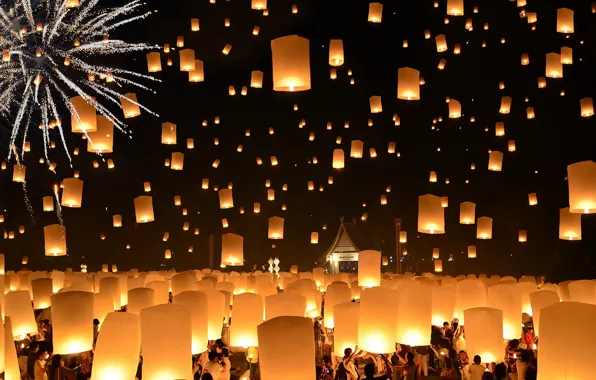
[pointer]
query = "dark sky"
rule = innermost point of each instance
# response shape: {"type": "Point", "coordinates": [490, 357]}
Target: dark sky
{"type": "Point", "coordinates": [557, 137]}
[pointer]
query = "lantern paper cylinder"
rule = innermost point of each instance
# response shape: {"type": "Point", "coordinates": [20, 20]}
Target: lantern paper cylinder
{"type": "Point", "coordinates": [177, 162]}
{"type": "Point", "coordinates": [111, 286]}
{"type": "Point", "coordinates": [84, 118]}
{"type": "Point", "coordinates": [258, 4]}
{"type": "Point", "coordinates": [583, 291]}
{"type": "Point", "coordinates": [286, 340]}
{"type": "Point", "coordinates": [377, 323]}
{"type": "Point", "coordinates": [102, 139]}
{"type": "Point", "coordinates": [408, 84]}
{"type": "Point", "coordinates": [375, 12]}
{"type": "Point", "coordinates": [495, 161]}
{"type": "Point", "coordinates": [117, 221]}
{"type": "Point", "coordinates": [522, 236]}
{"type": "Point", "coordinates": [338, 159]}
{"type": "Point", "coordinates": [41, 289]}
{"type": "Point", "coordinates": [337, 293]}
{"type": "Point", "coordinates": [431, 216]}
{"type": "Point", "coordinates": [17, 306]}
{"type": "Point", "coordinates": [248, 314]}
{"type": "Point", "coordinates": [166, 339]}
{"type": "Point", "coordinates": [471, 252]}
{"type": "Point", "coordinates": [484, 333]}
{"type": "Point", "coordinates": [168, 133]}
{"type": "Point", "coordinates": [375, 104]}
{"type": "Point", "coordinates": [554, 66]}
{"type": "Point", "coordinates": [336, 53]}
{"type": "Point", "coordinates": [565, 20]}
{"type": "Point", "coordinates": [484, 228]}
{"type": "Point", "coordinates": [441, 42]}
{"type": "Point", "coordinates": [197, 75]}
{"type": "Point", "coordinates": [8, 360]}
{"type": "Point", "coordinates": [438, 266]}
{"type": "Point", "coordinates": [414, 315]}
{"type": "Point", "coordinates": [454, 109]}
{"type": "Point", "coordinates": [55, 240]}
{"type": "Point", "coordinates": [369, 268]}
{"type": "Point", "coordinates": [587, 107]}
{"type": "Point", "coordinates": [581, 178]}
{"type": "Point", "coordinates": [467, 213]}
{"type": "Point", "coordinates": [215, 313]}
{"type": "Point", "coordinates": [48, 203]}
{"type": "Point", "coordinates": [117, 349]}
{"type": "Point", "coordinates": [144, 209]}
{"type": "Point", "coordinates": [505, 106]}
{"type": "Point", "coordinates": [72, 320]}
{"type": "Point", "coordinates": [226, 199]}
{"type": "Point", "coordinates": [469, 293]}
{"type": "Point", "coordinates": [566, 55]}
{"type": "Point", "coordinates": [232, 250]}
{"type": "Point", "coordinates": [455, 7]}
{"type": "Point", "coordinates": [283, 304]}
{"type": "Point", "coordinates": [570, 225]}
{"type": "Point", "coordinates": [196, 302]}
{"type": "Point", "coordinates": [256, 79]}
{"type": "Point", "coordinates": [187, 60]}
{"type": "Point", "coordinates": [291, 63]}
{"type": "Point", "coordinates": [356, 149]}
{"type": "Point", "coordinates": [346, 326]}
{"type": "Point", "coordinates": [72, 194]}
{"type": "Point", "coordinates": [130, 105]}
{"type": "Point", "coordinates": [154, 62]}
{"type": "Point", "coordinates": [506, 298]}
{"type": "Point", "coordinates": [532, 199]}
{"type": "Point", "coordinates": [443, 304]}
{"type": "Point", "coordinates": [276, 228]}
{"type": "Point", "coordinates": [539, 300]}
{"type": "Point", "coordinates": [18, 173]}
{"type": "Point", "coordinates": [161, 291]}
{"type": "Point", "coordinates": [140, 298]}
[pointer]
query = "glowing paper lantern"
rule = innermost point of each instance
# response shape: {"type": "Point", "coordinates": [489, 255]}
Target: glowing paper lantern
{"type": "Point", "coordinates": [337, 293]}
{"type": "Point", "coordinates": [454, 109]}
{"type": "Point", "coordinates": [414, 315]}
{"type": "Point", "coordinates": [484, 333]}
{"type": "Point", "coordinates": [248, 313]}
{"type": "Point", "coordinates": [583, 291]}
{"type": "Point", "coordinates": [291, 63]}
{"type": "Point", "coordinates": [215, 313]}
{"type": "Point", "coordinates": [84, 118]}
{"type": "Point", "coordinates": [345, 332]}
{"type": "Point", "coordinates": [375, 12]}
{"type": "Point", "coordinates": [154, 62]}
{"type": "Point", "coordinates": [369, 268]}
{"type": "Point", "coordinates": [356, 149]}
{"type": "Point", "coordinates": [455, 7]}
{"type": "Point", "coordinates": [469, 293]}
{"type": "Point", "coordinates": [232, 250]}
{"type": "Point", "coordinates": [117, 221]}
{"type": "Point", "coordinates": [566, 55]}
{"type": "Point", "coordinates": [287, 340]}
{"type": "Point", "coordinates": [285, 304]}
{"type": "Point", "coordinates": [8, 360]}
{"type": "Point", "coordinates": [197, 75]}
{"type": "Point", "coordinates": [117, 350]}
{"type": "Point", "coordinates": [338, 159]}
{"type": "Point", "coordinates": [256, 79]}
{"type": "Point", "coordinates": [581, 177]}
{"type": "Point", "coordinates": [72, 193]}
{"type": "Point", "coordinates": [102, 139]}
{"type": "Point", "coordinates": [471, 252]}
{"type": "Point", "coordinates": [196, 303]}
{"type": "Point", "coordinates": [565, 20]}
{"type": "Point", "coordinates": [505, 106]}
{"type": "Point", "coordinates": [484, 228]}
{"type": "Point", "coordinates": [495, 161]}
{"type": "Point", "coordinates": [130, 105]}
{"type": "Point", "coordinates": [168, 133]}
{"type": "Point", "coordinates": [565, 324]}
{"type": "Point", "coordinates": [336, 53]}
{"type": "Point", "coordinates": [570, 227]}
{"type": "Point", "coordinates": [259, 4]}
{"type": "Point", "coordinates": [41, 289]}
{"type": "Point", "coordinates": [187, 60]}
{"type": "Point", "coordinates": [166, 339]}
{"type": "Point", "coordinates": [431, 216]}
{"type": "Point", "coordinates": [467, 213]}
{"type": "Point", "coordinates": [17, 306]}
{"type": "Point", "coordinates": [523, 236]}
{"type": "Point", "coordinates": [140, 298]}
{"type": "Point", "coordinates": [276, 227]}
{"type": "Point", "coordinates": [160, 291]}
{"type": "Point", "coordinates": [375, 104]}
{"type": "Point", "coordinates": [539, 300]}
{"type": "Point", "coordinates": [144, 209]}
{"type": "Point", "coordinates": [55, 240]}
{"type": "Point", "coordinates": [408, 84]}
{"type": "Point", "coordinates": [443, 304]}
{"type": "Point", "coordinates": [554, 67]}
{"type": "Point", "coordinates": [505, 297]}
{"type": "Point", "coordinates": [438, 266]}
{"type": "Point", "coordinates": [377, 326]}
{"type": "Point", "coordinates": [72, 320]}
{"type": "Point", "coordinates": [441, 42]}
{"type": "Point", "coordinates": [226, 199]}
{"type": "Point", "coordinates": [587, 107]}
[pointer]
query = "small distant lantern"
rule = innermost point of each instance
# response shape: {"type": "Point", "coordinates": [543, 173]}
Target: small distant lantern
{"type": "Point", "coordinates": [495, 161]}
{"type": "Point", "coordinates": [336, 53]}
{"type": "Point", "coordinates": [471, 252]}
{"type": "Point", "coordinates": [484, 228]}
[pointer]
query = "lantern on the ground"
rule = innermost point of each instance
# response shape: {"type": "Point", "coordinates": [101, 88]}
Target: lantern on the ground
{"type": "Point", "coordinates": [345, 331]}
{"type": "Point", "coordinates": [196, 303]}
{"type": "Point", "coordinates": [41, 290]}
{"type": "Point", "coordinates": [369, 268]}
{"type": "Point", "coordinates": [72, 320]}
{"type": "Point", "coordinates": [506, 298]}
{"type": "Point", "coordinates": [377, 326]}
{"type": "Point", "coordinates": [117, 350]}
{"type": "Point", "coordinates": [248, 314]}
{"type": "Point", "coordinates": [539, 300]}
{"type": "Point", "coordinates": [484, 333]}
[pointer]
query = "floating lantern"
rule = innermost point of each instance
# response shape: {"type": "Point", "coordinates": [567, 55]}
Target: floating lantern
{"type": "Point", "coordinates": [187, 59]}
{"type": "Point", "coordinates": [408, 84]}
{"type": "Point", "coordinates": [441, 42]}
{"type": "Point", "coordinates": [72, 313]}
{"type": "Point", "coordinates": [18, 173]}
{"type": "Point", "coordinates": [117, 350]}
{"type": "Point", "coordinates": [248, 314]}
{"type": "Point", "coordinates": [345, 324]}
{"type": "Point", "coordinates": [154, 62]}
{"type": "Point", "coordinates": [554, 67]}
{"type": "Point", "coordinates": [338, 159]}
{"type": "Point", "coordinates": [48, 203]}
{"type": "Point", "coordinates": [525, 59]}
{"type": "Point", "coordinates": [566, 55]}
{"type": "Point", "coordinates": [117, 221]}
{"type": "Point", "coordinates": [168, 133]}
{"type": "Point", "coordinates": [587, 107]}
{"type": "Point", "coordinates": [455, 7]}
{"type": "Point", "coordinates": [565, 20]}
{"type": "Point", "coordinates": [166, 339]}
{"type": "Point", "coordinates": [435, 253]}
{"type": "Point", "coordinates": [356, 149]}
{"type": "Point", "coordinates": [291, 63]}
{"type": "Point", "coordinates": [144, 209]}
{"type": "Point", "coordinates": [17, 306]}
{"type": "Point", "coordinates": [180, 41]}
{"type": "Point", "coordinates": [484, 333]}
{"type": "Point", "coordinates": [438, 266]}
{"type": "Point", "coordinates": [226, 199]}
{"type": "Point", "coordinates": [454, 109]}
{"type": "Point", "coordinates": [471, 252]}
{"type": "Point", "coordinates": [539, 300]}
{"type": "Point", "coordinates": [511, 146]}
{"type": "Point", "coordinates": [130, 105]}
{"type": "Point", "coordinates": [314, 238]}
{"type": "Point", "coordinates": [102, 139]}
{"type": "Point", "coordinates": [259, 4]}
{"type": "Point", "coordinates": [376, 326]}
{"type": "Point", "coordinates": [532, 199]}
{"type": "Point", "coordinates": [505, 105]}
{"type": "Point", "coordinates": [495, 161]}
{"type": "Point", "coordinates": [432, 177]}
{"type": "Point", "coordinates": [232, 250]}
{"type": "Point", "coordinates": [55, 240]}
{"type": "Point", "coordinates": [484, 228]}
{"type": "Point", "coordinates": [467, 213]}
{"type": "Point", "coordinates": [414, 315]}
{"type": "Point", "coordinates": [431, 216]}
{"type": "Point", "coordinates": [569, 225]}
{"type": "Point", "coordinates": [375, 12]}
{"type": "Point", "coordinates": [522, 236]}
{"type": "Point", "coordinates": [375, 104]}
{"type": "Point", "coordinates": [256, 79]}
{"type": "Point", "coordinates": [177, 162]}
{"type": "Point", "coordinates": [581, 178]}
{"type": "Point", "coordinates": [197, 75]}
{"type": "Point", "coordinates": [336, 53]}
{"type": "Point", "coordinates": [87, 118]}
{"type": "Point", "coordinates": [276, 227]}
{"type": "Point", "coordinates": [369, 268]}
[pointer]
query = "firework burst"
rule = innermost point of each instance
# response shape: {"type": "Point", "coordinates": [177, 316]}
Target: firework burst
{"type": "Point", "coordinates": [48, 48]}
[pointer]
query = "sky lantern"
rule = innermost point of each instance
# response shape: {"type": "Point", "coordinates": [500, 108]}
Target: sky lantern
{"type": "Point", "coordinates": [139, 298]}
{"type": "Point", "coordinates": [454, 109]}
{"type": "Point", "coordinates": [495, 161]}
{"type": "Point", "coordinates": [511, 146]}
{"type": "Point", "coordinates": [539, 300]}
{"type": "Point", "coordinates": [435, 253]}
{"type": "Point", "coordinates": [377, 327]}
{"type": "Point", "coordinates": [443, 303]}
{"type": "Point", "coordinates": [102, 139]}
{"type": "Point", "coordinates": [566, 324]}
{"type": "Point", "coordinates": [441, 42]}
{"type": "Point", "coordinates": [565, 20]}
{"type": "Point", "coordinates": [566, 55]}
{"type": "Point", "coordinates": [500, 129]}
{"type": "Point", "coordinates": [414, 315]}
{"type": "Point", "coordinates": [226, 199]}
{"type": "Point", "coordinates": [356, 149]}
{"type": "Point", "coordinates": [72, 194]}
{"type": "Point", "coordinates": [117, 221]}
{"type": "Point", "coordinates": [532, 199]}
{"type": "Point", "coordinates": [469, 293]}
{"type": "Point", "coordinates": [375, 104]}
{"type": "Point", "coordinates": [144, 209]}
{"type": "Point", "coordinates": [270, 194]}
{"type": "Point", "coordinates": [48, 203]}
{"type": "Point", "coordinates": [187, 60]}
{"type": "Point", "coordinates": [285, 348]}
{"type": "Point", "coordinates": [248, 314]}
{"type": "Point", "coordinates": [314, 238]}
{"type": "Point", "coordinates": [530, 113]}
{"type": "Point", "coordinates": [408, 84]}
{"type": "Point", "coordinates": [196, 302]}
{"type": "Point", "coordinates": [484, 228]}
{"type": "Point", "coordinates": [180, 41]}
{"type": "Point", "coordinates": [554, 67]}
{"type": "Point", "coordinates": [369, 268]}
{"type": "Point", "coordinates": [505, 105]}
{"type": "Point", "coordinates": [455, 7]}
{"type": "Point", "coordinates": [276, 227]}
{"type": "Point", "coordinates": [154, 62]}
{"type": "Point", "coordinates": [587, 107]}
{"type": "Point", "coordinates": [522, 236]}
{"type": "Point", "coordinates": [177, 162]}
{"type": "Point", "coordinates": [431, 216]}
{"type": "Point", "coordinates": [256, 79]}
{"type": "Point", "coordinates": [438, 265]}
{"type": "Point", "coordinates": [71, 313]}
{"type": "Point", "coordinates": [291, 63]}
{"type": "Point", "coordinates": [87, 118]}
{"type": "Point", "coordinates": [345, 324]}
{"type": "Point", "coordinates": [375, 12]}
{"type": "Point", "coordinates": [484, 333]}
{"type": "Point", "coordinates": [336, 52]}
{"type": "Point", "coordinates": [117, 350]}
{"type": "Point", "coordinates": [467, 213]}
{"type": "Point", "coordinates": [432, 176]}
{"type": "Point", "coordinates": [17, 306]}
{"type": "Point", "coordinates": [168, 133]}
{"type": "Point", "coordinates": [505, 297]}
{"type": "Point", "coordinates": [570, 225]}
{"type": "Point", "coordinates": [471, 252]}
{"type": "Point", "coordinates": [197, 74]}
{"type": "Point", "coordinates": [18, 173]}
{"type": "Point", "coordinates": [338, 159]}
{"type": "Point", "coordinates": [581, 178]}
{"type": "Point", "coordinates": [258, 4]}
{"type": "Point", "coordinates": [232, 250]}
{"type": "Point", "coordinates": [525, 59]}
{"type": "Point", "coordinates": [166, 338]}
{"type": "Point", "coordinates": [130, 105]}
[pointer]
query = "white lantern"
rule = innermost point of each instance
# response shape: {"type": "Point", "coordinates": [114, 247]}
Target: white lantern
{"type": "Point", "coordinates": [581, 177]}
{"type": "Point", "coordinates": [369, 268]}
{"type": "Point", "coordinates": [431, 216]}
{"type": "Point", "coordinates": [196, 302]}
{"type": "Point", "coordinates": [408, 84]}
{"type": "Point", "coordinates": [18, 307]}
{"type": "Point", "coordinates": [117, 349]}
{"type": "Point", "coordinates": [506, 298]}
{"type": "Point", "coordinates": [291, 63]}
{"type": "Point", "coordinates": [484, 333]}
{"type": "Point", "coordinates": [345, 332]}
{"type": "Point", "coordinates": [377, 323]}
{"type": "Point", "coordinates": [232, 250]}
{"type": "Point", "coordinates": [248, 313]}
{"type": "Point", "coordinates": [72, 320]}
{"type": "Point", "coordinates": [414, 315]}
{"type": "Point", "coordinates": [570, 225]}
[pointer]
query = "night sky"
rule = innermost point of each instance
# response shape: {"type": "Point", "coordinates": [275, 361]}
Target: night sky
{"type": "Point", "coordinates": [556, 137]}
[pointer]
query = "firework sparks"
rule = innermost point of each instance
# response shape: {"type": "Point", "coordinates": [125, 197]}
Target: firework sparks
{"type": "Point", "coordinates": [47, 50]}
